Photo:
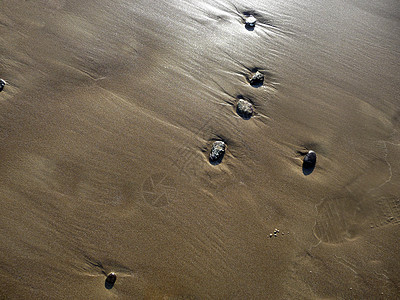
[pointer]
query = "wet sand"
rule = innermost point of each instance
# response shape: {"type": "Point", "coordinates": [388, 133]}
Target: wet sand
{"type": "Point", "coordinates": [107, 122]}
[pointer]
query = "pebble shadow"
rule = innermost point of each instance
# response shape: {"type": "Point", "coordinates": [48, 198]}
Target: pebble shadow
{"type": "Point", "coordinates": [108, 285]}
{"type": "Point", "coordinates": [249, 27]}
{"type": "Point", "coordinates": [216, 162]}
{"type": "Point", "coordinates": [307, 170]}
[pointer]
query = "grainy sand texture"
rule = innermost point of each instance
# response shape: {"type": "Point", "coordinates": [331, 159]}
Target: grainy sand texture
{"type": "Point", "coordinates": [107, 119]}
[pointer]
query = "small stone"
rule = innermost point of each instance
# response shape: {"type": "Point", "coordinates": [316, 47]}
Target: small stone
{"type": "Point", "coordinates": [217, 151]}
{"type": "Point", "coordinates": [283, 233]}
{"type": "Point", "coordinates": [244, 108]}
{"type": "Point", "coordinates": [270, 235]}
{"type": "Point", "coordinates": [310, 159]}
{"type": "Point", "coordinates": [111, 278]}
{"type": "Point", "coordinates": [257, 79]}
{"type": "Point", "coordinates": [275, 235]}
{"type": "Point", "coordinates": [250, 21]}
{"type": "Point", "coordinates": [2, 84]}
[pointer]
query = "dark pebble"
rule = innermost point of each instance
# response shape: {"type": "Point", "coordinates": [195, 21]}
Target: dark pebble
{"type": "Point", "coordinates": [2, 84]}
{"type": "Point", "coordinates": [257, 79]}
{"type": "Point", "coordinates": [217, 151]}
{"type": "Point", "coordinates": [310, 159]}
{"type": "Point", "coordinates": [111, 278]}
{"type": "Point", "coordinates": [244, 108]}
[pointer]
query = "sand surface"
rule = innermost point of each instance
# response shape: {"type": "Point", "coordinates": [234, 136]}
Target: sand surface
{"type": "Point", "coordinates": [108, 118]}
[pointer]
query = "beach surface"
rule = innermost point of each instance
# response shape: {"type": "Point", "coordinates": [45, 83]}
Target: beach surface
{"type": "Point", "coordinates": [107, 120]}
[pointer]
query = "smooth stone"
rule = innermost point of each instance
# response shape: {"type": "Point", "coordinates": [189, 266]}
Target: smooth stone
{"type": "Point", "coordinates": [257, 79]}
{"type": "Point", "coordinates": [2, 84]}
{"type": "Point", "coordinates": [111, 278]}
{"type": "Point", "coordinates": [244, 108]}
{"type": "Point", "coordinates": [310, 159]}
{"type": "Point", "coordinates": [250, 21]}
{"type": "Point", "coordinates": [217, 151]}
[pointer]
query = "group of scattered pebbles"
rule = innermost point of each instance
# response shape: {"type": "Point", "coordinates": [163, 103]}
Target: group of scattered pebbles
{"type": "Point", "coordinates": [275, 234]}
{"type": "Point", "coordinates": [245, 109]}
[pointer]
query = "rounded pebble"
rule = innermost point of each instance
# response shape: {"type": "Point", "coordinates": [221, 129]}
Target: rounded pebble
{"type": "Point", "coordinates": [310, 159]}
{"type": "Point", "coordinates": [244, 108]}
{"type": "Point", "coordinates": [111, 278]}
{"type": "Point", "coordinates": [257, 79]}
{"type": "Point", "coordinates": [217, 151]}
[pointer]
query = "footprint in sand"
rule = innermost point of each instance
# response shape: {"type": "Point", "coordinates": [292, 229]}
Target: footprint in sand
{"type": "Point", "coordinates": [159, 189]}
{"type": "Point", "coordinates": [386, 212]}
{"type": "Point", "coordinates": [336, 220]}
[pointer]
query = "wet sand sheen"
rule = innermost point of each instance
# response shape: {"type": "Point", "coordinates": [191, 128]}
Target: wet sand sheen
{"type": "Point", "coordinates": [107, 120]}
